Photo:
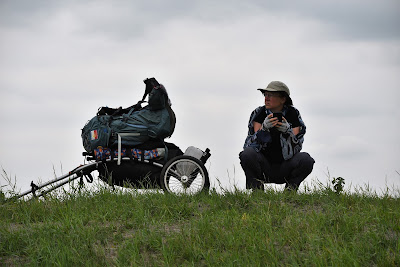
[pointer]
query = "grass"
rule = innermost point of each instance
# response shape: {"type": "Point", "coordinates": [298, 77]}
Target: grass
{"type": "Point", "coordinates": [102, 227]}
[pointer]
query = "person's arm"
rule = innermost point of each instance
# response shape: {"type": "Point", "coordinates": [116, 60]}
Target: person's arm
{"type": "Point", "coordinates": [296, 130]}
{"type": "Point", "coordinates": [268, 123]}
{"type": "Point", "coordinates": [293, 139]}
{"type": "Point", "coordinates": [284, 127]}
{"type": "Point", "coordinates": [257, 126]}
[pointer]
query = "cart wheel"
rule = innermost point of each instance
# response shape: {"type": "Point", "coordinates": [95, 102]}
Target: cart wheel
{"type": "Point", "coordinates": [184, 175]}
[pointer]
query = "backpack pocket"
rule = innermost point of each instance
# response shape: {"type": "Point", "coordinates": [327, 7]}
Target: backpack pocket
{"type": "Point", "coordinates": [96, 133]}
{"type": "Point", "coordinates": [120, 126]}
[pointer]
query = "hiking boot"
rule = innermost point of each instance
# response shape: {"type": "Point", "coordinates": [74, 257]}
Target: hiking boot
{"type": "Point", "coordinates": [291, 188]}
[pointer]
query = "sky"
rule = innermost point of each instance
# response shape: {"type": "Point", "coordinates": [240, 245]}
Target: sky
{"type": "Point", "coordinates": [62, 60]}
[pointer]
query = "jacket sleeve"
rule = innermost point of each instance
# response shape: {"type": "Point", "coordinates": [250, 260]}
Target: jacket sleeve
{"type": "Point", "coordinates": [291, 143]}
{"type": "Point", "coordinates": [256, 139]}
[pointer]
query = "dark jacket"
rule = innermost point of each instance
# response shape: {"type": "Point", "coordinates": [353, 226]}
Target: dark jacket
{"type": "Point", "coordinates": [291, 144]}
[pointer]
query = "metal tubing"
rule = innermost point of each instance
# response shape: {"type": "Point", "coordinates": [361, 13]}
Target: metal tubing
{"type": "Point", "coordinates": [120, 141]}
{"type": "Point", "coordinates": [81, 168]}
{"type": "Point", "coordinates": [57, 186]}
{"type": "Point", "coordinates": [74, 172]}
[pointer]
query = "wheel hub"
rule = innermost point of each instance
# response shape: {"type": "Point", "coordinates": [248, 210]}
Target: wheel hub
{"type": "Point", "coordinates": [184, 179]}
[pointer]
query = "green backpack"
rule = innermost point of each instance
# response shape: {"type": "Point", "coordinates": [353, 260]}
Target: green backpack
{"type": "Point", "coordinates": [135, 125]}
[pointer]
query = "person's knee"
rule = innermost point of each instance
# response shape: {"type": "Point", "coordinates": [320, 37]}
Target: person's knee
{"type": "Point", "coordinates": [306, 162]}
{"type": "Point", "coordinates": [247, 155]}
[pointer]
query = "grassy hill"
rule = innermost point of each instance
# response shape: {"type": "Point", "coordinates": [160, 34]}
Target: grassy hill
{"type": "Point", "coordinates": [103, 227]}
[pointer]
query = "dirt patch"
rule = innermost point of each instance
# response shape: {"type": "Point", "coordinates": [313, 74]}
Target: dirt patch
{"type": "Point", "coordinates": [13, 261]}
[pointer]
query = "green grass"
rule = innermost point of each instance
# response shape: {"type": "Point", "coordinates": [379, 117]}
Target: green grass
{"type": "Point", "coordinates": [114, 228]}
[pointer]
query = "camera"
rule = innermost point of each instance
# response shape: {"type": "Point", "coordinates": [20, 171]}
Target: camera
{"type": "Point", "coordinates": [278, 115]}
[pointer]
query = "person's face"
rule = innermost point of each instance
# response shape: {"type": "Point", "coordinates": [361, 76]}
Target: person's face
{"type": "Point", "coordinates": [274, 101]}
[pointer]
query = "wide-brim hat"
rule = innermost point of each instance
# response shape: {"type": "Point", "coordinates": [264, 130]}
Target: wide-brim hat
{"type": "Point", "coordinates": [277, 86]}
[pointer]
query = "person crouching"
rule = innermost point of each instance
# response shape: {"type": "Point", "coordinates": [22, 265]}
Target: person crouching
{"type": "Point", "coordinates": [271, 153]}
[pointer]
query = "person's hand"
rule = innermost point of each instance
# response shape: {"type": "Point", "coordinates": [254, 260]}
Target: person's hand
{"type": "Point", "coordinates": [283, 126]}
{"type": "Point", "coordinates": [269, 122]}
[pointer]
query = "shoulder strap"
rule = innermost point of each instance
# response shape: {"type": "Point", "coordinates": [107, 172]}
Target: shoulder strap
{"type": "Point", "coordinates": [150, 84]}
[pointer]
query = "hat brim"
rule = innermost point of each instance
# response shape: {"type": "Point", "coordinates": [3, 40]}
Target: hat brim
{"type": "Point", "coordinates": [268, 90]}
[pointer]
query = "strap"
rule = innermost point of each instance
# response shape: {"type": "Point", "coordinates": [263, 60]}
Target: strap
{"type": "Point", "coordinates": [136, 107]}
{"type": "Point", "coordinates": [150, 84]}
{"type": "Point", "coordinates": [166, 151]}
{"type": "Point", "coordinates": [131, 111]}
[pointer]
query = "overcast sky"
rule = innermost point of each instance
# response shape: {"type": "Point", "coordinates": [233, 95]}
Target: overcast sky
{"type": "Point", "coordinates": [61, 60]}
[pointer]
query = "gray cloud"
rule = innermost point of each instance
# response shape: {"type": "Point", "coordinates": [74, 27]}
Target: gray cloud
{"type": "Point", "coordinates": [369, 20]}
{"type": "Point", "coordinates": [26, 13]}
{"type": "Point", "coordinates": [365, 20]}
{"type": "Point", "coordinates": [350, 20]}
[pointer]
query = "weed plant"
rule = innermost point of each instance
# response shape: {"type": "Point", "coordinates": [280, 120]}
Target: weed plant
{"type": "Point", "coordinates": [106, 227]}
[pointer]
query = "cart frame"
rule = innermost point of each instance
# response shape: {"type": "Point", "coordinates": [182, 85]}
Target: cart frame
{"type": "Point", "coordinates": [181, 170]}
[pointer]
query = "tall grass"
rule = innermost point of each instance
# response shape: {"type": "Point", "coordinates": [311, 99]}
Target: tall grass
{"type": "Point", "coordinates": [106, 227]}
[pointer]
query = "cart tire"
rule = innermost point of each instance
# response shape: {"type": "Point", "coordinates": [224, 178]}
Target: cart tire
{"type": "Point", "coordinates": [184, 175]}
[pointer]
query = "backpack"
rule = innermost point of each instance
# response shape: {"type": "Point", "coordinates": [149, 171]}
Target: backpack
{"type": "Point", "coordinates": [154, 121]}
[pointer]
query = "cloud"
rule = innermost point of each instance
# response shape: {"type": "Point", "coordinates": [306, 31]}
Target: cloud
{"type": "Point", "coordinates": [60, 62]}
{"type": "Point", "coordinates": [349, 20]}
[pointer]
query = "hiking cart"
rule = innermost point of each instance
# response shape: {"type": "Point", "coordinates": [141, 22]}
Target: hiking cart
{"type": "Point", "coordinates": [178, 173]}
{"type": "Point", "coordinates": [127, 148]}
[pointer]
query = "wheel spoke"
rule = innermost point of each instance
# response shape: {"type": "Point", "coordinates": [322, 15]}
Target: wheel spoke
{"type": "Point", "coordinates": [174, 174]}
